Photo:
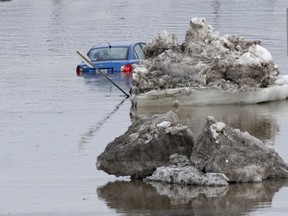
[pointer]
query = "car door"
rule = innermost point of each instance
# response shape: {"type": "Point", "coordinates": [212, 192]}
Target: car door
{"type": "Point", "coordinates": [139, 52]}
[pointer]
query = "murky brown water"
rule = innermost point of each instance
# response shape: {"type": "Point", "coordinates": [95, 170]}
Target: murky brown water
{"type": "Point", "coordinates": [53, 124]}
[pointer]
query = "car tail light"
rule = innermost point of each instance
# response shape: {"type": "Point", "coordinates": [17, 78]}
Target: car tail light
{"type": "Point", "coordinates": [127, 68]}
{"type": "Point", "coordinates": [79, 71]}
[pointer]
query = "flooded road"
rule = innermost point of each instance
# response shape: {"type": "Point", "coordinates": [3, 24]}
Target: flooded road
{"type": "Point", "coordinates": [54, 124]}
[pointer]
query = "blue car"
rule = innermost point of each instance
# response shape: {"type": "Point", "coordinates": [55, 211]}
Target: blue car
{"type": "Point", "coordinates": [113, 57]}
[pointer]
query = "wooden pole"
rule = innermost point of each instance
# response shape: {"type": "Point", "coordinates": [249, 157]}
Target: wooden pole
{"type": "Point", "coordinates": [90, 64]}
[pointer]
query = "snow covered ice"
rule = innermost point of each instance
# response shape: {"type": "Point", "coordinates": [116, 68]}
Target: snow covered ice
{"type": "Point", "coordinates": [206, 68]}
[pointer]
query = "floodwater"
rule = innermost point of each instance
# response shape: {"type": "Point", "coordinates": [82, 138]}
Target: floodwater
{"type": "Point", "coordinates": [54, 124]}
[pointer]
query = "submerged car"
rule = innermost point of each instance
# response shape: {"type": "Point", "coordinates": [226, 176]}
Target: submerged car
{"type": "Point", "coordinates": [113, 57]}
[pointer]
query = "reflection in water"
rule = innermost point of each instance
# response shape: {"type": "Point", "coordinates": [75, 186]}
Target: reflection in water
{"type": "Point", "coordinates": [56, 40]}
{"type": "Point", "coordinates": [127, 78]}
{"type": "Point", "coordinates": [94, 128]}
{"type": "Point", "coordinates": [137, 197]}
{"type": "Point", "coordinates": [45, 108]}
{"type": "Point", "coordinates": [101, 84]}
{"type": "Point", "coordinates": [216, 5]}
{"type": "Point", "coordinates": [257, 119]}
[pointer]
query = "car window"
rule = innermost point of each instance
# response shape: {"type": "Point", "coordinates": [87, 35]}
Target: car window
{"type": "Point", "coordinates": [105, 54]}
{"type": "Point", "coordinates": [138, 51]}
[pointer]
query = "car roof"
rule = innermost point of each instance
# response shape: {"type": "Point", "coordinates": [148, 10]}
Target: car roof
{"type": "Point", "coordinates": [115, 44]}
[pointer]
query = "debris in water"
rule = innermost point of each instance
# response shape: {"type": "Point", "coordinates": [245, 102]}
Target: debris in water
{"type": "Point", "coordinates": [205, 61]}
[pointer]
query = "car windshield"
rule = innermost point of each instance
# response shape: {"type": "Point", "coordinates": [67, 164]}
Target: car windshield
{"type": "Point", "coordinates": [105, 54]}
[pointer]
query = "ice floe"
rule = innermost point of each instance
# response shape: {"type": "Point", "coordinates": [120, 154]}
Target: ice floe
{"type": "Point", "coordinates": [206, 68]}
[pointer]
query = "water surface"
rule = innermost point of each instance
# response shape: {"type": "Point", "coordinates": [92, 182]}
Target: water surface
{"type": "Point", "coordinates": [54, 124]}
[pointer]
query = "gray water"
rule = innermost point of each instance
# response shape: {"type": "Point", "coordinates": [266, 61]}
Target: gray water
{"type": "Point", "coordinates": [54, 124]}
